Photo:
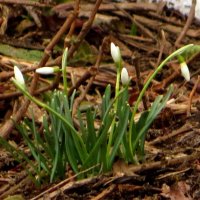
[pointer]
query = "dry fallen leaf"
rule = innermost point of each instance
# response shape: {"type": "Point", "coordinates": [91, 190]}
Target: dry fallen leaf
{"type": "Point", "coordinates": [179, 191]}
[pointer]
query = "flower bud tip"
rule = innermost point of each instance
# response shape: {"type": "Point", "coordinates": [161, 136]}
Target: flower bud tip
{"type": "Point", "coordinates": [19, 76]}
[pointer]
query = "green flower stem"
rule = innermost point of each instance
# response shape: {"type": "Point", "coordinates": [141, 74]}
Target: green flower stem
{"type": "Point", "coordinates": [117, 84]}
{"type": "Point", "coordinates": [180, 59]}
{"type": "Point", "coordinates": [100, 139]}
{"type": "Point", "coordinates": [49, 109]}
{"type": "Point", "coordinates": [118, 65]}
{"type": "Point", "coordinates": [174, 54]}
{"type": "Point", "coordinates": [64, 68]}
{"type": "Point", "coordinates": [117, 91]}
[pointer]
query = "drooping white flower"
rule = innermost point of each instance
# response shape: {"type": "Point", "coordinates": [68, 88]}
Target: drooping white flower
{"type": "Point", "coordinates": [19, 76]}
{"type": "Point", "coordinates": [185, 71]}
{"type": "Point", "coordinates": [46, 70]}
{"type": "Point", "coordinates": [124, 76]}
{"type": "Point", "coordinates": [115, 52]}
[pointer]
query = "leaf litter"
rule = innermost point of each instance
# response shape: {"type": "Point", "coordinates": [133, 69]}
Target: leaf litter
{"type": "Point", "coordinates": [146, 33]}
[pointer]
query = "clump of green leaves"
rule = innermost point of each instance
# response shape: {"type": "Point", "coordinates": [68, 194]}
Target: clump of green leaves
{"type": "Point", "coordinates": [87, 150]}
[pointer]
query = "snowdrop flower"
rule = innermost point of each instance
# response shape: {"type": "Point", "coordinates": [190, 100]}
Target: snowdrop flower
{"type": "Point", "coordinates": [47, 70]}
{"type": "Point", "coordinates": [124, 76]}
{"type": "Point", "coordinates": [185, 71]}
{"type": "Point", "coordinates": [19, 76]}
{"type": "Point", "coordinates": [115, 52]}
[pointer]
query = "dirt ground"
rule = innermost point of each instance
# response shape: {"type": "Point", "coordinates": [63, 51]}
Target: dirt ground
{"type": "Point", "coordinates": [33, 33]}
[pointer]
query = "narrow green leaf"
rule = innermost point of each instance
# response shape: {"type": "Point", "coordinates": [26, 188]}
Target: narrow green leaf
{"type": "Point", "coordinates": [35, 152]}
{"type": "Point", "coordinates": [70, 152]}
{"type": "Point", "coordinates": [106, 99]}
{"type": "Point", "coordinates": [91, 138]}
{"type": "Point", "coordinates": [82, 127]}
{"type": "Point", "coordinates": [121, 130]}
{"type": "Point", "coordinates": [102, 133]}
{"type": "Point", "coordinates": [151, 118]}
{"type": "Point", "coordinates": [19, 156]}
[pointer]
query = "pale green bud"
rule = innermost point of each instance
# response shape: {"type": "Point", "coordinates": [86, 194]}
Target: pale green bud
{"type": "Point", "coordinates": [115, 52]}
{"type": "Point", "coordinates": [47, 70]}
{"type": "Point", "coordinates": [124, 76]}
{"type": "Point", "coordinates": [19, 76]}
{"type": "Point", "coordinates": [185, 71]}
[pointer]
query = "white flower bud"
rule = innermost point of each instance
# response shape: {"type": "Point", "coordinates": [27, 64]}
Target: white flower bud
{"type": "Point", "coordinates": [19, 76]}
{"type": "Point", "coordinates": [46, 70]}
{"type": "Point", "coordinates": [124, 76]}
{"type": "Point", "coordinates": [115, 52]}
{"type": "Point", "coordinates": [185, 71]}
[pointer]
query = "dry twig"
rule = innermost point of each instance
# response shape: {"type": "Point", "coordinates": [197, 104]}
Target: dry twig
{"type": "Point", "coordinates": [188, 23]}
{"type": "Point", "coordinates": [93, 71]}
{"type": "Point", "coordinates": [184, 128]}
{"type": "Point", "coordinates": [25, 2]}
{"type": "Point", "coordinates": [8, 126]}
{"type": "Point", "coordinates": [191, 95]}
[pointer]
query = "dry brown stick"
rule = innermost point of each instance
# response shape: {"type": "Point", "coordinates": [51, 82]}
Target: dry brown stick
{"type": "Point", "coordinates": [79, 99]}
{"type": "Point", "coordinates": [85, 29]}
{"type": "Point", "coordinates": [105, 192]}
{"type": "Point", "coordinates": [95, 69]}
{"type": "Point", "coordinates": [164, 164]}
{"type": "Point", "coordinates": [187, 24]}
{"type": "Point", "coordinates": [38, 91]}
{"type": "Point", "coordinates": [58, 75]}
{"type": "Point", "coordinates": [166, 81]}
{"type": "Point", "coordinates": [9, 95]}
{"type": "Point", "coordinates": [91, 72]}
{"type": "Point", "coordinates": [80, 38]}
{"type": "Point", "coordinates": [86, 7]}
{"type": "Point", "coordinates": [5, 75]}
{"type": "Point", "coordinates": [144, 29]}
{"type": "Point", "coordinates": [154, 24]}
{"type": "Point", "coordinates": [69, 35]}
{"type": "Point", "coordinates": [8, 126]}
{"type": "Point", "coordinates": [162, 46]}
{"type": "Point", "coordinates": [196, 72]}
{"type": "Point", "coordinates": [139, 83]}
{"type": "Point", "coordinates": [11, 41]}
{"type": "Point", "coordinates": [184, 128]}
{"type": "Point", "coordinates": [67, 184]}
{"type": "Point", "coordinates": [140, 26]}
{"type": "Point", "coordinates": [83, 78]}
{"type": "Point", "coordinates": [23, 183]}
{"type": "Point", "coordinates": [191, 95]}
{"type": "Point", "coordinates": [164, 18]}
{"type": "Point", "coordinates": [25, 2]}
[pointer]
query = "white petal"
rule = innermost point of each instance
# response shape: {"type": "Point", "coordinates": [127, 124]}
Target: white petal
{"type": "Point", "coordinates": [185, 71]}
{"type": "Point", "coordinates": [45, 70]}
{"type": "Point", "coordinates": [115, 52]}
{"type": "Point", "coordinates": [19, 76]}
{"type": "Point", "coordinates": [124, 76]}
